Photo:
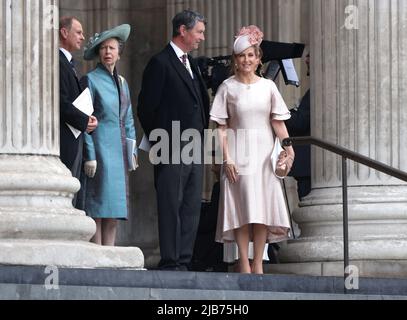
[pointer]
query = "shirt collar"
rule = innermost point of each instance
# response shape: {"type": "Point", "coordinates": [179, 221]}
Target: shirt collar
{"type": "Point", "coordinates": [177, 50]}
{"type": "Point", "coordinates": [67, 54]}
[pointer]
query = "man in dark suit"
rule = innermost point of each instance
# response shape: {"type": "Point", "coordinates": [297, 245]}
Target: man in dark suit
{"type": "Point", "coordinates": [71, 38]}
{"type": "Point", "coordinates": [173, 92]}
{"type": "Point", "coordinates": [300, 125]}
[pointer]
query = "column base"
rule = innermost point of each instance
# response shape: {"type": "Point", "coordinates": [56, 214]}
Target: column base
{"type": "Point", "coordinates": [329, 249]}
{"type": "Point", "coordinates": [39, 226]}
{"type": "Point", "coordinates": [36, 201]}
{"type": "Point", "coordinates": [374, 269]}
{"type": "Point", "coordinates": [66, 254]}
{"type": "Point", "coordinates": [377, 226]}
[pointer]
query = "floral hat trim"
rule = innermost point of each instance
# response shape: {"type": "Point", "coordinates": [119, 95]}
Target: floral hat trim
{"type": "Point", "coordinates": [92, 41]}
{"type": "Point", "coordinates": [254, 33]}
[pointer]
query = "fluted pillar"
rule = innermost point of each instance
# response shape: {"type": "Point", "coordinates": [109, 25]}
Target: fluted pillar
{"type": "Point", "coordinates": [38, 225]}
{"type": "Point", "coordinates": [358, 80]}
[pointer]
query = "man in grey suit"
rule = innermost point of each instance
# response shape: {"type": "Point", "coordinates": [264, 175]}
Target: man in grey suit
{"type": "Point", "coordinates": [173, 91]}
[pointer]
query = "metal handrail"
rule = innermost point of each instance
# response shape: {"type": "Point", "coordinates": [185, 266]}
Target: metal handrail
{"type": "Point", "coordinates": [346, 154]}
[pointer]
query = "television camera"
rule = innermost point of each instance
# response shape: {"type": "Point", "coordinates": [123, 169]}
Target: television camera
{"type": "Point", "coordinates": [279, 55]}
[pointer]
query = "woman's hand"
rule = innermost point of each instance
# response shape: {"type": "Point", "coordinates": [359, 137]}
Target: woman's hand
{"type": "Point", "coordinates": [90, 168]}
{"type": "Point", "coordinates": [284, 163]}
{"type": "Point", "coordinates": [231, 171]}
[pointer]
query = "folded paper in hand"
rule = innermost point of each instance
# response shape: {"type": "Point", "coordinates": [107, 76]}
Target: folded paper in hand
{"type": "Point", "coordinates": [145, 144]}
{"type": "Point", "coordinates": [275, 154]}
{"type": "Point", "coordinates": [82, 103]}
{"type": "Point", "coordinates": [131, 156]}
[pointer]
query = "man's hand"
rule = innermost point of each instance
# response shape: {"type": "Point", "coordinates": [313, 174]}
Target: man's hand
{"type": "Point", "coordinates": [92, 124]}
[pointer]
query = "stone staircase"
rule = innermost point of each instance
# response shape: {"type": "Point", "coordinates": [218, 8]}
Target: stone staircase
{"type": "Point", "coordinates": [32, 283]}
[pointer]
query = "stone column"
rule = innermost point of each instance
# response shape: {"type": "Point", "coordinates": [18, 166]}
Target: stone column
{"type": "Point", "coordinates": [38, 225]}
{"type": "Point", "coordinates": [358, 80]}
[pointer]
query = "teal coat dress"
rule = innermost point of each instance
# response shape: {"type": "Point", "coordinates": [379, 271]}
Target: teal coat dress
{"type": "Point", "coordinates": [107, 194]}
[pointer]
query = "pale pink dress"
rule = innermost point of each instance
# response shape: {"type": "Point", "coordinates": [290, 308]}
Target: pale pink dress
{"type": "Point", "coordinates": [257, 198]}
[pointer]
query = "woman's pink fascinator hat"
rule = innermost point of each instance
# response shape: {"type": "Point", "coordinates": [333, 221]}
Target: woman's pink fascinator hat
{"type": "Point", "coordinates": [247, 37]}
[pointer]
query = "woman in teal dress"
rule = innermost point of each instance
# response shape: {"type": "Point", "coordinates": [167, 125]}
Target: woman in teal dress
{"type": "Point", "coordinates": [105, 152]}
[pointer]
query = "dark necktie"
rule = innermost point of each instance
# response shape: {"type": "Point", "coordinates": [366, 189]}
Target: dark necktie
{"type": "Point", "coordinates": [184, 58]}
{"type": "Point", "coordinates": [73, 67]}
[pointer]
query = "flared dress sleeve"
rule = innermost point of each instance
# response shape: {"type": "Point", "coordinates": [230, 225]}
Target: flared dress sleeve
{"type": "Point", "coordinates": [219, 112]}
{"type": "Point", "coordinates": [279, 110]}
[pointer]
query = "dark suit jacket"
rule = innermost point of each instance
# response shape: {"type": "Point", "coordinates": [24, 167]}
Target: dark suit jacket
{"type": "Point", "coordinates": [299, 125]}
{"type": "Point", "coordinates": [70, 89]}
{"type": "Point", "coordinates": [168, 94]}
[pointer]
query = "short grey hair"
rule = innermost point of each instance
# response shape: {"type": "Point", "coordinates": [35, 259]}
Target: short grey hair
{"type": "Point", "coordinates": [186, 18]}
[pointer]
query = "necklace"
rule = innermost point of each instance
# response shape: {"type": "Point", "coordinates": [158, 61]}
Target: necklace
{"type": "Point", "coordinates": [248, 83]}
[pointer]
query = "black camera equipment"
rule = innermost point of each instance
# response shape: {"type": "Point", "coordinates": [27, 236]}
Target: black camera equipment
{"type": "Point", "coordinates": [280, 54]}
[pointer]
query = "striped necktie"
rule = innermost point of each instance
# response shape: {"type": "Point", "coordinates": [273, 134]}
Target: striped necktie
{"type": "Point", "coordinates": [73, 67]}
{"type": "Point", "coordinates": [184, 58]}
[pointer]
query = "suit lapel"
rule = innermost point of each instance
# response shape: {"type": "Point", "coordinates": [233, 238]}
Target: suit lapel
{"type": "Point", "coordinates": [204, 99]}
{"type": "Point", "coordinates": [181, 70]}
{"type": "Point", "coordinates": [69, 68]}
{"type": "Point", "coordinates": [197, 71]}
{"type": "Point", "coordinates": [194, 67]}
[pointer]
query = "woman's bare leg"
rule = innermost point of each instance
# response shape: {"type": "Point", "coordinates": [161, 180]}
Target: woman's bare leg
{"type": "Point", "coordinates": [242, 240]}
{"type": "Point", "coordinates": [259, 243]}
{"type": "Point", "coordinates": [109, 227]}
{"type": "Point", "coordinates": [97, 238]}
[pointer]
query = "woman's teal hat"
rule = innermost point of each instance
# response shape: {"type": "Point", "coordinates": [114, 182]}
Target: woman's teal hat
{"type": "Point", "coordinates": [121, 32]}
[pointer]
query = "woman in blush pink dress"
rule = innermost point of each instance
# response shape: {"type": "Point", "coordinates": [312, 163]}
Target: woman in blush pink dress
{"type": "Point", "coordinates": [250, 113]}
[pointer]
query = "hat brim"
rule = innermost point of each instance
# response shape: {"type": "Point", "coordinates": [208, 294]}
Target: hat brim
{"type": "Point", "coordinates": [121, 32]}
{"type": "Point", "coordinates": [241, 44]}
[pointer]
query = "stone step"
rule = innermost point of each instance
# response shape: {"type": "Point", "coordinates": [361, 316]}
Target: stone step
{"type": "Point", "coordinates": [37, 283]}
{"type": "Point", "coordinates": [392, 269]}
{"type": "Point", "coordinates": [79, 293]}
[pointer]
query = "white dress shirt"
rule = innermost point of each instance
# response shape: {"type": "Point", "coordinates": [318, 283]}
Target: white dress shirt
{"type": "Point", "coordinates": [67, 54]}
{"type": "Point", "coordinates": [179, 54]}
